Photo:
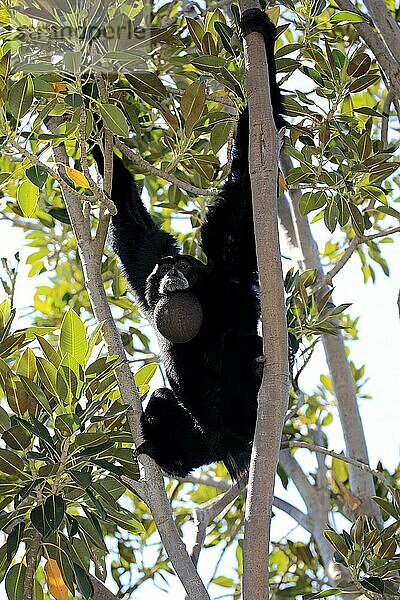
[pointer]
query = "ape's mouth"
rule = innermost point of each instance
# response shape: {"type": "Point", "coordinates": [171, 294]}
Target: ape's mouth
{"type": "Point", "coordinates": [173, 282]}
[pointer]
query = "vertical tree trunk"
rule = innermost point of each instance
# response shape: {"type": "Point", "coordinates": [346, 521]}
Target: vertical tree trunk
{"type": "Point", "coordinates": [273, 395]}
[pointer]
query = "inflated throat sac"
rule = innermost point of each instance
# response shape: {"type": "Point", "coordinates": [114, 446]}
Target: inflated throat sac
{"type": "Point", "coordinates": [178, 317]}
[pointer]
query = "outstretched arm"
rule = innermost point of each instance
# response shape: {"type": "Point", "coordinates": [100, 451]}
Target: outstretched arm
{"type": "Point", "coordinates": [135, 237]}
{"type": "Point", "coordinates": [228, 232]}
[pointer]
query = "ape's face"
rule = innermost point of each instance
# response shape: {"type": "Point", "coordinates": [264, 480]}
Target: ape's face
{"type": "Point", "coordinates": [175, 274]}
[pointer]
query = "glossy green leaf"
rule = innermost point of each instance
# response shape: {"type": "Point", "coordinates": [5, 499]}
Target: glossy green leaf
{"type": "Point", "coordinates": [14, 582]}
{"type": "Point", "coordinates": [20, 97]}
{"type": "Point", "coordinates": [10, 463]}
{"type": "Point", "coordinates": [27, 198]}
{"type": "Point", "coordinates": [114, 119]}
{"type": "Point", "coordinates": [73, 336]}
{"type": "Point", "coordinates": [37, 175]}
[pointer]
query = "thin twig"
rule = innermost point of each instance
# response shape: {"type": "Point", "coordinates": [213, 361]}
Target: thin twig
{"type": "Point", "coordinates": [355, 242]}
{"type": "Point", "coordinates": [351, 461]}
{"type": "Point", "coordinates": [149, 168]}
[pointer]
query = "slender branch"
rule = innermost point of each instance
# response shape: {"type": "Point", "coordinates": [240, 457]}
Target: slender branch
{"type": "Point", "coordinates": [206, 513]}
{"type": "Point", "coordinates": [351, 461]}
{"type": "Point", "coordinates": [297, 515]}
{"type": "Point", "coordinates": [18, 222]}
{"type": "Point", "coordinates": [355, 242]}
{"type": "Point", "coordinates": [31, 559]}
{"type": "Point", "coordinates": [297, 475]}
{"type": "Point", "coordinates": [138, 487]}
{"type": "Point", "coordinates": [203, 479]}
{"type": "Point", "coordinates": [202, 517]}
{"type": "Point", "coordinates": [149, 168]}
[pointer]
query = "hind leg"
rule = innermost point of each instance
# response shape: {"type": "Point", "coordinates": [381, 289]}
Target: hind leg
{"type": "Point", "coordinates": [173, 437]}
{"type": "Point", "coordinates": [241, 379]}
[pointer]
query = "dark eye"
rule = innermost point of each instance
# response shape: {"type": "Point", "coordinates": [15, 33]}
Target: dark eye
{"type": "Point", "coordinates": [182, 265]}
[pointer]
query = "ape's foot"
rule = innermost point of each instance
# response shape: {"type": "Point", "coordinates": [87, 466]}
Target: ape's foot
{"type": "Point", "coordinates": [144, 448]}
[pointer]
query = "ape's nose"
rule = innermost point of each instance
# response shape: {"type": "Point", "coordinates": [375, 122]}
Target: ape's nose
{"type": "Point", "coordinates": [174, 272]}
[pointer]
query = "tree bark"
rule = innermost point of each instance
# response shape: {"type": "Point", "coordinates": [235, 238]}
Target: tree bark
{"type": "Point", "coordinates": [273, 394]}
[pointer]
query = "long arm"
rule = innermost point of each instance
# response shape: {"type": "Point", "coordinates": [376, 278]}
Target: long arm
{"type": "Point", "coordinates": [228, 232]}
{"type": "Point", "coordinates": [135, 237]}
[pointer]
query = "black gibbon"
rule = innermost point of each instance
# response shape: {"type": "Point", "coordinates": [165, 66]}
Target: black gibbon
{"type": "Point", "coordinates": [205, 315]}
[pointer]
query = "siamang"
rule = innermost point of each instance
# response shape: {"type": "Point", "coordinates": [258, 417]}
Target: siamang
{"type": "Point", "coordinates": [205, 315]}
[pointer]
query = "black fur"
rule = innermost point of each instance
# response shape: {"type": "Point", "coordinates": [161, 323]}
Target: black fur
{"type": "Point", "coordinates": [209, 414]}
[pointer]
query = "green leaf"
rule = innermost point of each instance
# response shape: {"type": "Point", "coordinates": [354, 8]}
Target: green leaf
{"type": "Point", "coordinates": [66, 424]}
{"type": "Point", "coordinates": [312, 201]}
{"type": "Point", "coordinates": [37, 175]}
{"type": "Point", "coordinates": [48, 374]}
{"type": "Point", "coordinates": [223, 581]}
{"type": "Point", "coordinates": [363, 82]}
{"type": "Point", "coordinates": [212, 64]}
{"type": "Point", "coordinates": [82, 478]}
{"type": "Point", "coordinates": [37, 393]}
{"type": "Point", "coordinates": [54, 509]}
{"type": "Point", "coordinates": [374, 192]}
{"type": "Point", "coordinates": [145, 373]}
{"type": "Point", "coordinates": [39, 521]}
{"type": "Point", "coordinates": [386, 506]}
{"type": "Point", "coordinates": [364, 146]}
{"type": "Point", "coordinates": [73, 336]}
{"type": "Point", "coordinates": [196, 31]}
{"type": "Point", "coordinates": [17, 438]}
{"type": "Point", "coordinates": [14, 583]}
{"type": "Point", "coordinates": [389, 210]}
{"type": "Point", "coordinates": [4, 562]}
{"type": "Point", "coordinates": [219, 135]}
{"type": "Point", "coordinates": [331, 216]}
{"type": "Point", "coordinates": [27, 198]}
{"type": "Point", "coordinates": [359, 65]}
{"type": "Point", "coordinates": [346, 16]}
{"type": "Point", "coordinates": [10, 463]}
{"type": "Point", "coordinates": [114, 119]}
{"type": "Point", "coordinates": [373, 584]}
{"type": "Point", "coordinates": [20, 97]}
{"type": "Point", "coordinates": [14, 539]}
{"type": "Point", "coordinates": [356, 219]}
{"type": "Point", "coordinates": [5, 63]}
{"type": "Point", "coordinates": [192, 104]}
{"type": "Point", "coordinates": [323, 594]}
{"type": "Point", "coordinates": [83, 581]}
{"type": "Point", "coordinates": [147, 83]}
{"type": "Point", "coordinates": [50, 353]}
{"type": "Point", "coordinates": [91, 439]}
{"type": "Point", "coordinates": [337, 542]}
